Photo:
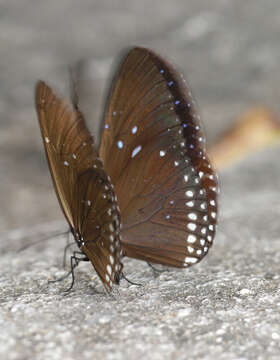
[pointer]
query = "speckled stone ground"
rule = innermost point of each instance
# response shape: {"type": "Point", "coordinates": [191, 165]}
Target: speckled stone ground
{"type": "Point", "coordinates": [227, 307]}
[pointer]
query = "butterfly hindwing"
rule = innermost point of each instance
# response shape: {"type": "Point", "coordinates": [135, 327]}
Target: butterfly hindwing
{"type": "Point", "coordinates": [99, 223]}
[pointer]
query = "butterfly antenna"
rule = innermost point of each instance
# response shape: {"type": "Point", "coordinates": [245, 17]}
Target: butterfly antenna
{"type": "Point", "coordinates": [44, 238]}
{"type": "Point", "coordinates": [73, 89]}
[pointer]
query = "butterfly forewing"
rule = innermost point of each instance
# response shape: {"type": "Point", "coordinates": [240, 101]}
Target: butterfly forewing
{"type": "Point", "coordinates": [83, 189]}
{"type": "Point", "coordinates": [166, 187]}
{"type": "Point", "coordinates": [68, 144]}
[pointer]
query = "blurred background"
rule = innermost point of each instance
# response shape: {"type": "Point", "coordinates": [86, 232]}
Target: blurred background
{"type": "Point", "coordinates": [228, 50]}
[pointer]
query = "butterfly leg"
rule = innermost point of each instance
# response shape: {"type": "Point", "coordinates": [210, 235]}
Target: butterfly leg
{"type": "Point", "coordinates": [75, 260]}
{"type": "Point", "coordinates": [67, 246]}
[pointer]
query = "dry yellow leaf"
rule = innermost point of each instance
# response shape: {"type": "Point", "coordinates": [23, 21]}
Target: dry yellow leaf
{"type": "Point", "coordinates": [256, 129]}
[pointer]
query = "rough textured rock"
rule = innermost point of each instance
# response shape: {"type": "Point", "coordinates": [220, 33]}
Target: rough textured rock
{"type": "Point", "coordinates": [227, 307]}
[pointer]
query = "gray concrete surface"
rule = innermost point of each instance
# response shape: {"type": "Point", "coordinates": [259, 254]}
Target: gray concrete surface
{"type": "Point", "coordinates": [227, 307]}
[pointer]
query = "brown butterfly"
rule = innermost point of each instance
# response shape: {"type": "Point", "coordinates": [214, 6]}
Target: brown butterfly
{"type": "Point", "coordinates": [153, 153]}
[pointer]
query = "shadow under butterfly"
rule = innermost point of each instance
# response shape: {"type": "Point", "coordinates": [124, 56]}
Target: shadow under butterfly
{"type": "Point", "coordinates": [150, 192]}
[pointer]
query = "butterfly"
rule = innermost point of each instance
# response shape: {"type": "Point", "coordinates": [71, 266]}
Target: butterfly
{"type": "Point", "coordinates": [149, 192]}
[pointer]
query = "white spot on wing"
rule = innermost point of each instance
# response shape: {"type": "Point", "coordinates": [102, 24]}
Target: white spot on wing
{"type": "Point", "coordinates": [191, 226]}
{"type": "Point", "coordinates": [190, 260]}
{"type": "Point", "coordinates": [203, 205]}
{"type": "Point", "coordinates": [190, 204]}
{"type": "Point", "coordinates": [136, 151]}
{"type": "Point", "coordinates": [190, 249]}
{"type": "Point", "coordinates": [191, 239]}
{"type": "Point", "coordinates": [109, 269]}
{"type": "Point", "coordinates": [213, 214]}
{"type": "Point", "coordinates": [120, 144]}
{"type": "Point", "coordinates": [192, 216]}
{"type": "Point", "coordinates": [134, 129]}
{"type": "Point", "coordinates": [189, 193]}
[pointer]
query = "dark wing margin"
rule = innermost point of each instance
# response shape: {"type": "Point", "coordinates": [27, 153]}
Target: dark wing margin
{"type": "Point", "coordinates": [166, 186]}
